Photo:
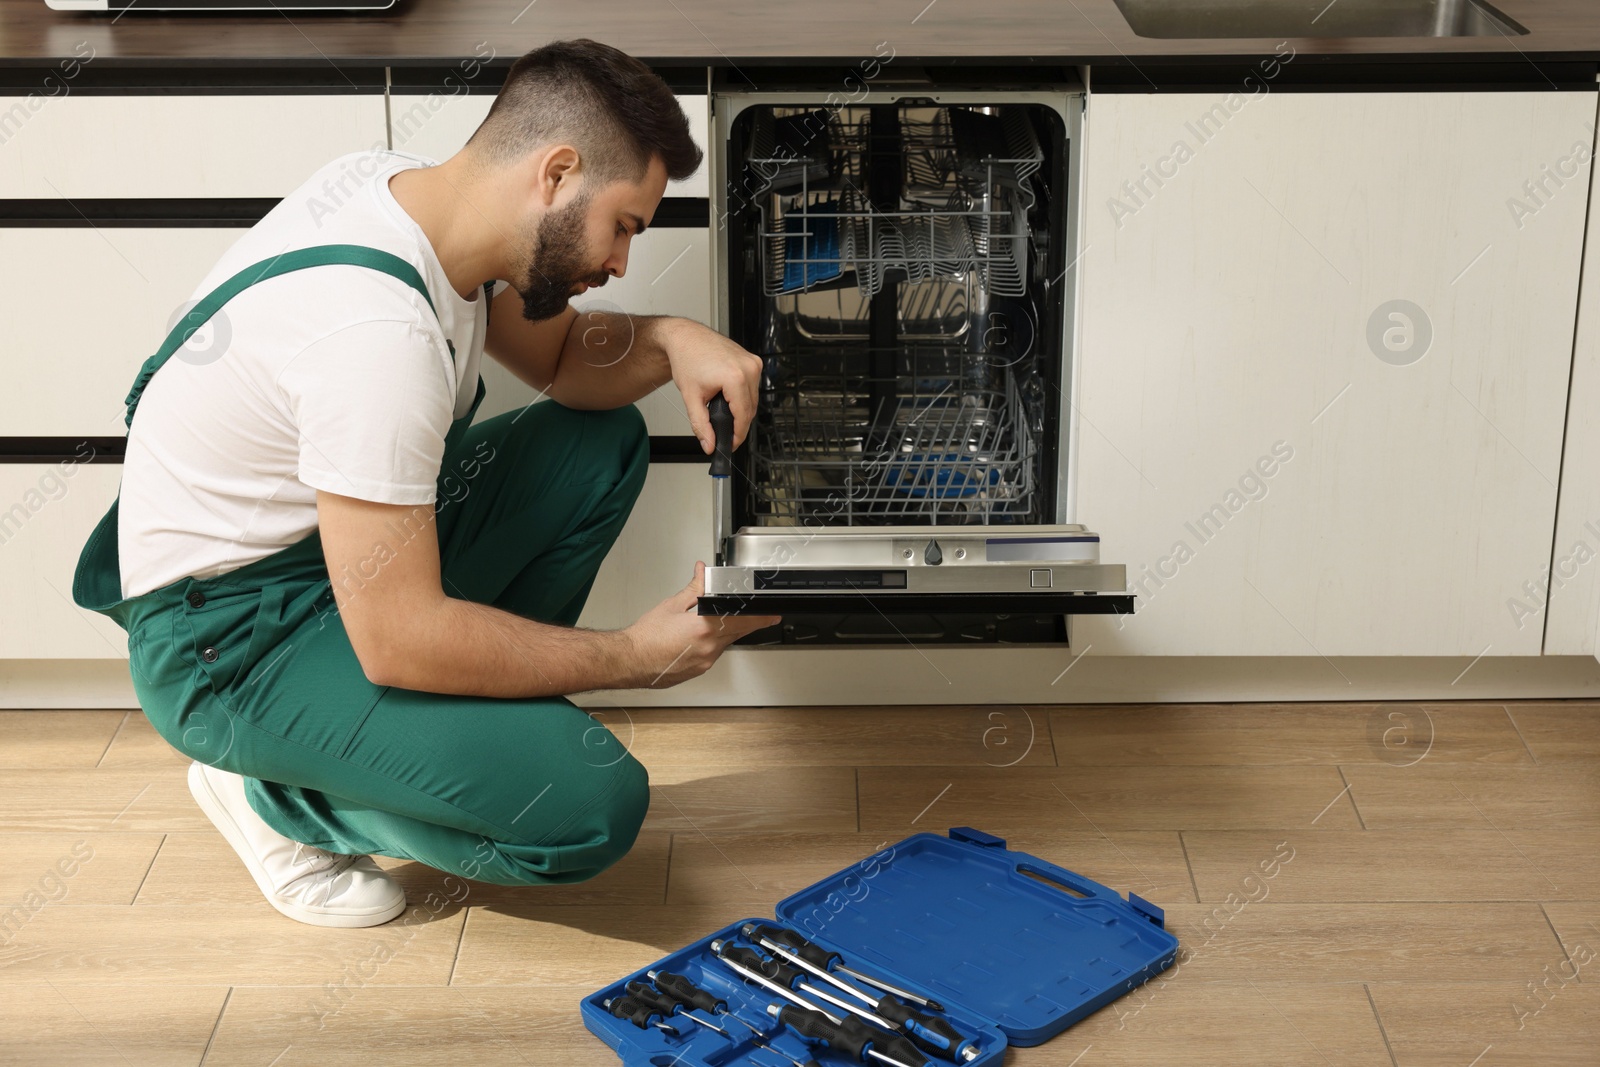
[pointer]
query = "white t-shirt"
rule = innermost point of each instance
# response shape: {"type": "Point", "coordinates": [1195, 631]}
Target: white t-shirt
{"type": "Point", "coordinates": [332, 377]}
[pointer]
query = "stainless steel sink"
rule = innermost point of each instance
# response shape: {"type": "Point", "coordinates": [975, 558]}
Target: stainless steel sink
{"type": "Point", "coordinates": [1315, 18]}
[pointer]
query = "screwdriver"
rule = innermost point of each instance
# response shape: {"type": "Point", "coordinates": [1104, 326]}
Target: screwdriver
{"type": "Point", "coordinates": [721, 416]}
{"type": "Point", "coordinates": [667, 1005]}
{"type": "Point", "coordinates": [831, 961]}
{"type": "Point", "coordinates": [688, 995]}
{"type": "Point", "coordinates": [927, 1032]}
{"type": "Point", "coordinates": [731, 957]}
{"type": "Point", "coordinates": [638, 1014]}
{"type": "Point", "coordinates": [794, 978]}
{"type": "Point", "coordinates": [853, 1037]}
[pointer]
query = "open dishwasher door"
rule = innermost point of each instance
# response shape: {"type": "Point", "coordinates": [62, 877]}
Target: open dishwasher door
{"type": "Point", "coordinates": [903, 265]}
{"type": "Point", "coordinates": [899, 569]}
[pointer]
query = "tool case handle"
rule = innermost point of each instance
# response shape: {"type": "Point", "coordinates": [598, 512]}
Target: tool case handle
{"type": "Point", "coordinates": [1041, 870]}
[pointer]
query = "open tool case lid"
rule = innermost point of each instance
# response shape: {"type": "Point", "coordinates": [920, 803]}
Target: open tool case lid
{"type": "Point", "coordinates": [1016, 948]}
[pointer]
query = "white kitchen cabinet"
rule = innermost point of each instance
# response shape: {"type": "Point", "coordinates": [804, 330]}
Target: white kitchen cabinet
{"type": "Point", "coordinates": [47, 511]}
{"type": "Point", "coordinates": [1274, 486]}
{"type": "Point", "coordinates": [654, 555]}
{"type": "Point", "coordinates": [178, 146]}
{"type": "Point", "coordinates": [83, 308]}
{"type": "Point", "coordinates": [1566, 599]}
{"type": "Point", "coordinates": [438, 124]}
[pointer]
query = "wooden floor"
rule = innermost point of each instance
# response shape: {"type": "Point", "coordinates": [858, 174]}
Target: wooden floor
{"type": "Point", "coordinates": [1444, 884]}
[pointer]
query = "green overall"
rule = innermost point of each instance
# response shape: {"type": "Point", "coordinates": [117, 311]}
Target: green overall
{"type": "Point", "coordinates": [251, 671]}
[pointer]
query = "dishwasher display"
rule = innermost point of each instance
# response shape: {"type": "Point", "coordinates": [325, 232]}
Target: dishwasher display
{"type": "Point", "coordinates": [901, 266]}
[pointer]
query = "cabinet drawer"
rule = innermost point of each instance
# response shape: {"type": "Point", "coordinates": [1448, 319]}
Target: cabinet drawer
{"type": "Point", "coordinates": [47, 512]}
{"type": "Point", "coordinates": [179, 146]}
{"type": "Point", "coordinates": [83, 309]}
{"type": "Point", "coordinates": [438, 124]}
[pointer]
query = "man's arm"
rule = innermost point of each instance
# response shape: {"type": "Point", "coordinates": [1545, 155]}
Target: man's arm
{"type": "Point", "coordinates": [407, 632]}
{"type": "Point", "coordinates": [597, 360]}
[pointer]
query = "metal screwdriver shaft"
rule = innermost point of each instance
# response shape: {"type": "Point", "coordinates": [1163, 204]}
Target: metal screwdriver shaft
{"type": "Point", "coordinates": [721, 476]}
{"type": "Point", "coordinates": [690, 995]}
{"type": "Point", "coordinates": [832, 961]}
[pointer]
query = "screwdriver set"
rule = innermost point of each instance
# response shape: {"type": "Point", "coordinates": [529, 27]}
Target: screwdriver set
{"type": "Point", "coordinates": [935, 950]}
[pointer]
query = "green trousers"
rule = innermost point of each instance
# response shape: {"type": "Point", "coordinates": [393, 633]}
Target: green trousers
{"type": "Point", "coordinates": [511, 791]}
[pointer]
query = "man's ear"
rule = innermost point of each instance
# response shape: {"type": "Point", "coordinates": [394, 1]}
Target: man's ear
{"type": "Point", "coordinates": [559, 175]}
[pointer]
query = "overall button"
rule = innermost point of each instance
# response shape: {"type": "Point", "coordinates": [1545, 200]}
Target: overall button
{"type": "Point", "coordinates": [209, 654]}
{"type": "Point", "coordinates": [196, 599]}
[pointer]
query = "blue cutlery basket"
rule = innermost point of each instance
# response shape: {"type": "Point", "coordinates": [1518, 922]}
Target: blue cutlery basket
{"type": "Point", "coordinates": [1015, 948]}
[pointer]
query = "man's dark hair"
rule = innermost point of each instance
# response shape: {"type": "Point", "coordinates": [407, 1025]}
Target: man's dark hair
{"type": "Point", "coordinates": [613, 109]}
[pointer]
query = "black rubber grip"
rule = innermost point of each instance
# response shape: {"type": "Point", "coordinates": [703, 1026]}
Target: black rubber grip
{"type": "Point", "coordinates": [630, 1009]}
{"type": "Point", "coordinates": [784, 974]}
{"type": "Point", "coordinates": [815, 955]}
{"type": "Point", "coordinates": [653, 998]}
{"type": "Point", "coordinates": [722, 426]}
{"type": "Point", "coordinates": [900, 1047]}
{"type": "Point", "coordinates": [686, 992]}
{"type": "Point", "coordinates": [938, 1036]}
{"type": "Point", "coordinates": [848, 1039]}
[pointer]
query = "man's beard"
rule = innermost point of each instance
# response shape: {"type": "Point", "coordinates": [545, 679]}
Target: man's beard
{"type": "Point", "coordinates": [556, 265]}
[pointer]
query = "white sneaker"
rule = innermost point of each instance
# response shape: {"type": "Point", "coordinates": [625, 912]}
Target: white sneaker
{"type": "Point", "coordinates": [304, 883]}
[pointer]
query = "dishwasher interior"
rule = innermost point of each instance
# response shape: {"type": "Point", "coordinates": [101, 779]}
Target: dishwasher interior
{"type": "Point", "coordinates": [901, 266]}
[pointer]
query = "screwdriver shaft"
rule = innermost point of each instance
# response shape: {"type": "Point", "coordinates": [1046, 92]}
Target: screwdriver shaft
{"type": "Point", "coordinates": [783, 952]}
{"type": "Point", "coordinates": [878, 983]}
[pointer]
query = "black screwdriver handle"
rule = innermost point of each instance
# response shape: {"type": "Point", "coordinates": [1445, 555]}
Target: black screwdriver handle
{"type": "Point", "coordinates": [654, 999]}
{"type": "Point", "coordinates": [638, 1014]}
{"type": "Point", "coordinates": [686, 992]}
{"type": "Point", "coordinates": [722, 427]}
{"type": "Point", "coordinates": [784, 974]}
{"type": "Point", "coordinates": [815, 955]}
{"type": "Point", "coordinates": [852, 1040]}
{"type": "Point", "coordinates": [927, 1032]}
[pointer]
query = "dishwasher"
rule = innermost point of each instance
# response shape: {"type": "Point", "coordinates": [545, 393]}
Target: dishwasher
{"type": "Point", "coordinates": [901, 263]}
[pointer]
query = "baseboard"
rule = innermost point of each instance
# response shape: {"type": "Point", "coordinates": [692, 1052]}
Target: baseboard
{"type": "Point", "coordinates": [796, 677]}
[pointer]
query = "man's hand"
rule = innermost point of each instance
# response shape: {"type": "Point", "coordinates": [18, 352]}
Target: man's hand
{"type": "Point", "coordinates": [673, 644]}
{"type": "Point", "coordinates": [705, 363]}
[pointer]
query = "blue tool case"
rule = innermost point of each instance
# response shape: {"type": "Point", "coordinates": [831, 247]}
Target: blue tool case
{"type": "Point", "coordinates": [1014, 949]}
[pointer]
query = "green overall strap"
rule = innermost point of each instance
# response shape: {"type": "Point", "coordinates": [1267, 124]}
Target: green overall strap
{"type": "Point", "coordinates": [315, 256]}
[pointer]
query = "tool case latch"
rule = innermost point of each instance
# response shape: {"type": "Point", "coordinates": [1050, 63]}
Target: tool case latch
{"type": "Point", "coordinates": [976, 837]}
{"type": "Point", "coordinates": [1150, 911]}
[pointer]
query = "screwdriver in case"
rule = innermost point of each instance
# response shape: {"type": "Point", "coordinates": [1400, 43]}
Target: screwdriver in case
{"type": "Point", "coordinates": [832, 961]}
{"type": "Point", "coordinates": [851, 1036]}
{"type": "Point", "coordinates": [688, 995]}
{"type": "Point", "coordinates": [640, 1015]}
{"type": "Point", "coordinates": [928, 1033]}
{"type": "Point", "coordinates": [904, 1053]}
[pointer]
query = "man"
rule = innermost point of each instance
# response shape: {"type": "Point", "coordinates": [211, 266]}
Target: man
{"type": "Point", "coordinates": [353, 608]}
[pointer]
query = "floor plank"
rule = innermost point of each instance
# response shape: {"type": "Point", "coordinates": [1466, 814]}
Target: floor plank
{"type": "Point", "coordinates": [57, 801]}
{"type": "Point", "coordinates": [406, 1027]}
{"type": "Point", "coordinates": [755, 871]}
{"type": "Point", "coordinates": [1557, 796]}
{"type": "Point", "coordinates": [1361, 942]}
{"type": "Point", "coordinates": [138, 745]}
{"type": "Point", "coordinates": [1254, 1022]}
{"type": "Point", "coordinates": [781, 798]}
{"type": "Point", "coordinates": [586, 946]}
{"type": "Point", "coordinates": [791, 737]}
{"type": "Point", "coordinates": [40, 740]}
{"type": "Point", "coordinates": [94, 867]}
{"type": "Point", "coordinates": [227, 944]}
{"type": "Point", "coordinates": [1189, 735]}
{"type": "Point", "coordinates": [1569, 730]}
{"type": "Point", "coordinates": [139, 1024]}
{"type": "Point", "coordinates": [1502, 1024]}
{"type": "Point", "coordinates": [200, 869]}
{"type": "Point", "coordinates": [1398, 865]}
{"type": "Point", "coordinates": [1104, 799]}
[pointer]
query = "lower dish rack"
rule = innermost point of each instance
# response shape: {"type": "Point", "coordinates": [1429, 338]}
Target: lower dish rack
{"type": "Point", "coordinates": [949, 442]}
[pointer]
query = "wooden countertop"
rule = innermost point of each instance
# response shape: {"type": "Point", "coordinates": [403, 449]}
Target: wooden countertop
{"type": "Point", "coordinates": [687, 33]}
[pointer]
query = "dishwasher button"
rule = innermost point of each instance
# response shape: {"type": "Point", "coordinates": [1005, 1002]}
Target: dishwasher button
{"type": "Point", "coordinates": [1040, 577]}
{"type": "Point", "coordinates": [933, 555]}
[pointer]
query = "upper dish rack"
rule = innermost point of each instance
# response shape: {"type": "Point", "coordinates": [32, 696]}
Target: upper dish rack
{"type": "Point", "coordinates": [962, 211]}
